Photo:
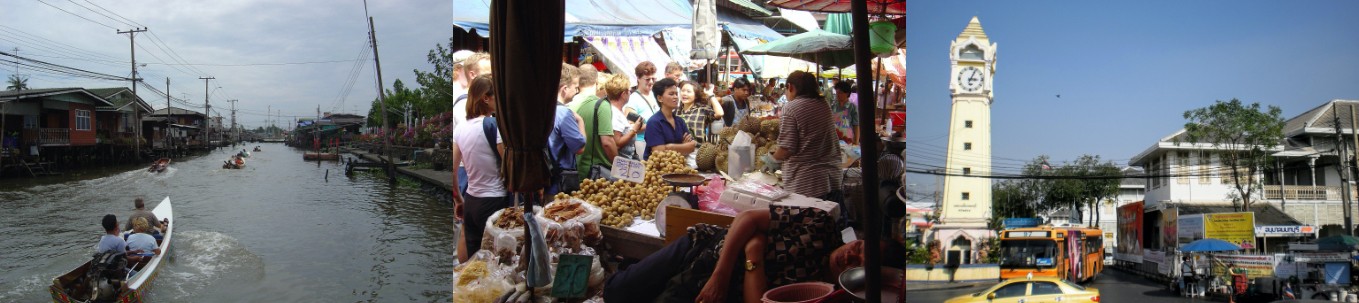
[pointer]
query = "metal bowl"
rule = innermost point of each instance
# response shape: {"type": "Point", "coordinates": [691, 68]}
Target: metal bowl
{"type": "Point", "coordinates": [854, 281]}
{"type": "Point", "coordinates": [685, 180]}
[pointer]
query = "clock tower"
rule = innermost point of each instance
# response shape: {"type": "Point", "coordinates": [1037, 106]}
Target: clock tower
{"type": "Point", "coordinates": [966, 199]}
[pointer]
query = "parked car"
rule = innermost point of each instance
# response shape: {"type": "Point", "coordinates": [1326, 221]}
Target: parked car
{"type": "Point", "coordinates": [1032, 289]}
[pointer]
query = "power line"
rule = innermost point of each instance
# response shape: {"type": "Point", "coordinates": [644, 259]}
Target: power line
{"type": "Point", "coordinates": [101, 14]}
{"type": "Point", "coordinates": [78, 15]}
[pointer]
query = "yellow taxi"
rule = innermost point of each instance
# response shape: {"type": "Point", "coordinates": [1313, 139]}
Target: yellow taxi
{"type": "Point", "coordinates": [1032, 290]}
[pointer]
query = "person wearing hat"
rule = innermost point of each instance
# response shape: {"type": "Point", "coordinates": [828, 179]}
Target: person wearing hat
{"type": "Point", "coordinates": [459, 81]}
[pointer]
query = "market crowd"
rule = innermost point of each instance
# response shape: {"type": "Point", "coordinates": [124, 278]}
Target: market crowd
{"type": "Point", "coordinates": [601, 116]}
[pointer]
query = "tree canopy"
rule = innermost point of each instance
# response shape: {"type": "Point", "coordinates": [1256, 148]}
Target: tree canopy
{"type": "Point", "coordinates": [1243, 136]}
{"type": "Point", "coordinates": [1078, 185]}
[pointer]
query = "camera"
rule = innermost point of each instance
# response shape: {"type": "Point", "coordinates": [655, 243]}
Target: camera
{"type": "Point", "coordinates": [632, 117]}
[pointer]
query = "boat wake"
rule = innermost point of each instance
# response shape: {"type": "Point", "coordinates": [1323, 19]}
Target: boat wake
{"type": "Point", "coordinates": [200, 260]}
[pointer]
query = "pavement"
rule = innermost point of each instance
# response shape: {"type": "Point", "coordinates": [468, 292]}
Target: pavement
{"type": "Point", "coordinates": [441, 178]}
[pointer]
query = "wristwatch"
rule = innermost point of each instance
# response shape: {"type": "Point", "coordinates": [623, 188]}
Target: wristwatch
{"type": "Point", "coordinates": [750, 265]}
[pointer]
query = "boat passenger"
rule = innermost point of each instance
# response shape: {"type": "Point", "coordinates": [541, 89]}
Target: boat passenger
{"type": "Point", "coordinates": [110, 241]}
{"type": "Point", "coordinates": [140, 244]}
{"type": "Point", "coordinates": [141, 212]}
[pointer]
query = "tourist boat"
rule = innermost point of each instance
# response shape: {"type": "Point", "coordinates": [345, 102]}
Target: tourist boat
{"type": "Point", "coordinates": [75, 286]}
{"type": "Point", "coordinates": [257, 149]}
{"type": "Point", "coordinates": [234, 163]}
{"type": "Point", "coordinates": [159, 166]}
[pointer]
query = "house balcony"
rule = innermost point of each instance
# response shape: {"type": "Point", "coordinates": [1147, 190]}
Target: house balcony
{"type": "Point", "coordinates": [1302, 193]}
{"type": "Point", "coordinates": [48, 136]}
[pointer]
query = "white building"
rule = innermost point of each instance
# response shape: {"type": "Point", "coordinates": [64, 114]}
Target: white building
{"type": "Point", "coordinates": [1302, 187]}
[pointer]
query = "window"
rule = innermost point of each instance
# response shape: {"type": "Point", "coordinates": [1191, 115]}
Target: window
{"type": "Point", "coordinates": [1045, 288]}
{"type": "Point", "coordinates": [967, 171]}
{"type": "Point", "coordinates": [1205, 177]}
{"type": "Point", "coordinates": [967, 196]}
{"type": "Point", "coordinates": [967, 124]}
{"type": "Point", "coordinates": [82, 119]}
{"type": "Point", "coordinates": [1012, 290]}
{"type": "Point", "coordinates": [967, 146]}
{"type": "Point", "coordinates": [1028, 253]}
{"type": "Point", "coordinates": [971, 52]}
{"type": "Point", "coordinates": [1182, 167]}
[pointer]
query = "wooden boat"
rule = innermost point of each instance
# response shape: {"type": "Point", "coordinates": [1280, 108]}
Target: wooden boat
{"type": "Point", "coordinates": [234, 163]}
{"type": "Point", "coordinates": [159, 166]}
{"type": "Point", "coordinates": [75, 286]}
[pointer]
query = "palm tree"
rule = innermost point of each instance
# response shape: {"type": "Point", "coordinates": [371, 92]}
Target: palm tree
{"type": "Point", "coordinates": [17, 83]}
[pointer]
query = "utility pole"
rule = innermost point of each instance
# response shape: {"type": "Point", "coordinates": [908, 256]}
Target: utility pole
{"type": "Point", "coordinates": [1342, 168]}
{"type": "Point", "coordinates": [167, 113]}
{"type": "Point", "coordinates": [235, 134]}
{"type": "Point", "coordinates": [132, 38]}
{"type": "Point", "coordinates": [207, 112]}
{"type": "Point", "coordinates": [386, 150]}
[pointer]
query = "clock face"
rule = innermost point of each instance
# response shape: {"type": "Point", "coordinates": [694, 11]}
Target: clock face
{"type": "Point", "coordinates": [971, 78]}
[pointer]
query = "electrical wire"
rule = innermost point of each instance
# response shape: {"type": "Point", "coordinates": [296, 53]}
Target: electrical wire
{"type": "Point", "coordinates": [78, 15]}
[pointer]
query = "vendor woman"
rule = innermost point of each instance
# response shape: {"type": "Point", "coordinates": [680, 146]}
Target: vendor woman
{"type": "Point", "coordinates": [664, 130]}
{"type": "Point", "coordinates": [807, 142]}
{"type": "Point", "coordinates": [770, 248]}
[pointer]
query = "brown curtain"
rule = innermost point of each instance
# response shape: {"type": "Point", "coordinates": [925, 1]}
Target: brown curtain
{"type": "Point", "coordinates": [526, 45]}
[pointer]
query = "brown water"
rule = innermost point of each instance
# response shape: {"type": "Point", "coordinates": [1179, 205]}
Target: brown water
{"type": "Point", "coordinates": [275, 231]}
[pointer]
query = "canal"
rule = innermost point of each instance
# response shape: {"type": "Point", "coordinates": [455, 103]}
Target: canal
{"type": "Point", "coordinates": [275, 231]}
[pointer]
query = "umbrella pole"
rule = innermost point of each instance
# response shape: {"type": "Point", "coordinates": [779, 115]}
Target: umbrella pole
{"type": "Point", "coordinates": [869, 146]}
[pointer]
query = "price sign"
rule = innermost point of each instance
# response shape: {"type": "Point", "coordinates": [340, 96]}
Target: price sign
{"type": "Point", "coordinates": [628, 169]}
{"type": "Point", "coordinates": [573, 273]}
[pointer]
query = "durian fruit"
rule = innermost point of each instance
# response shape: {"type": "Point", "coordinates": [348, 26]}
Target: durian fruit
{"type": "Point", "coordinates": [706, 159]}
{"type": "Point", "coordinates": [750, 125]}
{"type": "Point", "coordinates": [721, 161]}
{"type": "Point", "coordinates": [770, 128]}
{"type": "Point", "coordinates": [759, 165]}
{"type": "Point", "coordinates": [727, 134]}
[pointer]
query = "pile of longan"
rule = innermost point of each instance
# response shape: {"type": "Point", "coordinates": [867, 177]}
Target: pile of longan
{"type": "Point", "coordinates": [623, 201]}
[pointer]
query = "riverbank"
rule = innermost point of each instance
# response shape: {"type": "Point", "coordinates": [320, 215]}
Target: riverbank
{"type": "Point", "coordinates": [437, 178]}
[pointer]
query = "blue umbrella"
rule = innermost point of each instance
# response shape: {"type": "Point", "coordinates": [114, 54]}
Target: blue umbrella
{"type": "Point", "coordinates": [1209, 245]}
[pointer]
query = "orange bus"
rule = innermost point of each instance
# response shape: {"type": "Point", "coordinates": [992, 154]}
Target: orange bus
{"type": "Point", "coordinates": [1071, 253]}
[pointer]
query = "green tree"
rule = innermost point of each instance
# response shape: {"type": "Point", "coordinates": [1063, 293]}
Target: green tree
{"type": "Point", "coordinates": [398, 98]}
{"type": "Point", "coordinates": [436, 87]}
{"type": "Point", "coordinates": [1243, 136]}
{"type": "Point", "coordinates": [17, 83]}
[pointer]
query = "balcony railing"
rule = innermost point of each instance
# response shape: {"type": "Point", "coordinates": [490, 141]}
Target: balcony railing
{"type": "Point", "coordinates": [1302, 192]}
{"type": "Point", "coordinates": [47, 136]}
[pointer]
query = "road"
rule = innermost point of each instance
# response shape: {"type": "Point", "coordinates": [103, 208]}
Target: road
{"type": "Point", "coordinates": [1114, 286]}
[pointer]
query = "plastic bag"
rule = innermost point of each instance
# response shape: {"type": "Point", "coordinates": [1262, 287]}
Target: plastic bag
{"type": "Point", "coordinates": [741, 154]}
{"type": "Point", "coordinates": [480, 280]}
{"type": "Point", "coordinates": [504, 242]}
{"type": "Point", "coordinates": [710, 197]}
{"type": "Point", "coordinates": [583, 226]}
{"type": "Point", "coordinates": [539, 271]}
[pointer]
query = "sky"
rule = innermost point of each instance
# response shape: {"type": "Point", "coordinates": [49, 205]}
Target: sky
{"type": "Point", "coordinates": [229, 40]}
{"type": "Point", "coordinates": [1126, 71]}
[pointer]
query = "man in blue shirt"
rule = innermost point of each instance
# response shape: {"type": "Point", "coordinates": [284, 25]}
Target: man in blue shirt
{"type": "Point", "coordinates": [110, 241]}
{"type": "Point", "coordinates": [566, 139]}
{"type": "Point", "coordinates": [665, 131]}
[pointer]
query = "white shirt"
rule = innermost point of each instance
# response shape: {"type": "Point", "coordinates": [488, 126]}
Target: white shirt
{"type": "Point", "coordinates": [483, 173]}
{"type": "Point", "coordinates": [643, 104]}
{"type": "Point", "coordinates": [141, 241]}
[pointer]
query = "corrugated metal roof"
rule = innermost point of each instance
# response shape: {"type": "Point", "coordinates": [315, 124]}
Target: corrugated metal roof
{"type": "Point", "coordinates": [1265, 214]}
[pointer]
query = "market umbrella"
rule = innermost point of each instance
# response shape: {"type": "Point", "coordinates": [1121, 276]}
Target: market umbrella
{"type": "Point", "coordinates": [1338, 243]}
{"type": "Point", "coordinates": [1209, 245]}
{"type": "Point", "coordinates": [838, 23]}
{"type": "Point", "coordinates": [877, 7]}
{"type": "Point", "coordinates": [818, 46]}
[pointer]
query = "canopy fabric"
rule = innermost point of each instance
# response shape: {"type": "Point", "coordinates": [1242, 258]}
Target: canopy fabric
{"type": "Point", "coordinates": [876, 7]}
{"type": "Point", "coordinates": [740, 26]}
{"type": "Point", "coordinates": [893, 67]}
{"type": "Point", "coordinates": [526, 41]}
{"type": "Point", "coordinates": [1209, 245]}
{"type": "Point", "coordinates": [838, 23]}
{"type": "Point", "coordinates": [1338, 243]}
{"type": "Point", "coordinates": [802, 19]}
{"type": "Point", "coordinates": [622, 54]}
{"type": "Point", "coordinates": [778, 67]}
{"type": "Point", "coordinates": [822, 47]}
{"type": "Point", "coordinates": [585, 18]}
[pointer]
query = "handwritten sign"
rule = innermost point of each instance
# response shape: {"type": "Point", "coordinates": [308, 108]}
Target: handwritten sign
{"type": "Point", "coordinates": [573, 273]}
{"type": "Point", "coordinates": [628, 169]}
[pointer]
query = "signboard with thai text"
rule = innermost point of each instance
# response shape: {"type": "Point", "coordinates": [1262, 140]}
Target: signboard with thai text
{"type": "Point", "coordinates": [1285, 231]}
{"type": "Point", "coordinates": [1237, 228]}
{"type": "Point", "coordinates": [1255, 265]}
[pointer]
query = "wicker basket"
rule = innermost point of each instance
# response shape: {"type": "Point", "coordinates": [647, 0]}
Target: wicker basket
{"type": "Point", "coordinates": [853, 187]}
